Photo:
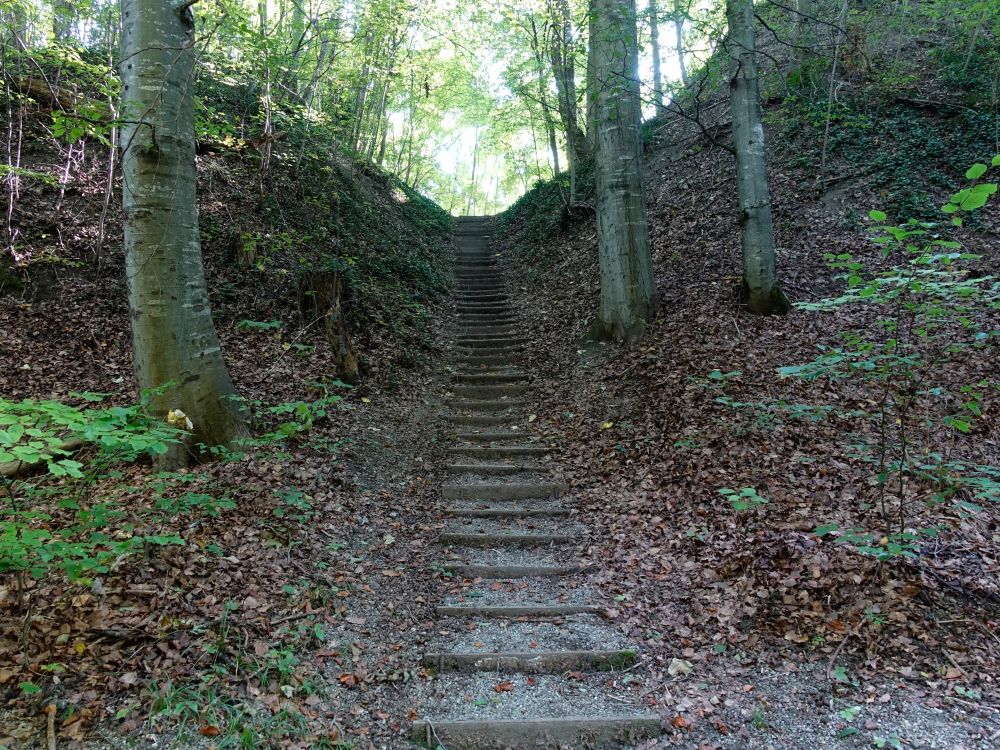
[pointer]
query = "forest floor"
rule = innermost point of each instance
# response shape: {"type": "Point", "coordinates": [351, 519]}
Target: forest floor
{"type": "Point", "coordinates": [299, 620]}
{"type": "Point", "coordinates": [297, 616]}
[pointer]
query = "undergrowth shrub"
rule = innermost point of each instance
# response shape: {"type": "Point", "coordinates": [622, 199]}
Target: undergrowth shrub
{"type": "Point", "coordinates": [936, 307]}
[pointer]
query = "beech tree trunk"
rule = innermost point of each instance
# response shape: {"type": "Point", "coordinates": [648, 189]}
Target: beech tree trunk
{"type": "Point", "coordinates": [654, 36]}
{"type": "Point", "coordinates": [760, 277]}
{"type": "Point", "coordinates": [563, 59]}
{"type": "Point", "coordinates": [679, 43]}
{"type": "Point", "coordinates": [543, 98]}
{"type": "Point", "coordinates": [628, 292]}
{"type": "Point", "coordinates": [173, 337]}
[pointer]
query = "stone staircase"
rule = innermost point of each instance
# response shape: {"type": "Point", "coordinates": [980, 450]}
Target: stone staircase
{"type": "Point", "coordinates": [525, 658]}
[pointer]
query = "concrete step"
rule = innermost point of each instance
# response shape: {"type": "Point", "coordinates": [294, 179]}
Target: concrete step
{"type": "Point", "coordinates": [501, 572]}
{"type": "Point", "coordinates": [512, 532]}
{"type": "Point", "coordinates": [497, 327]}
{"type": "Point", "coordinates": [509, 491]}
{"type": "Point", "coordinates": [532, 662]}
{"type": "Point", "coordinates": [486, 405]}
{"type": "Point", "coordinates": [480, 285]}
{"type": "Point", "coordinates": [513, 611]}
{"type": "Point", "coordinates": [492, 298]}
{"type": "Point", "coordinates": [474, 297]}
{"type": "Point", "coordinates": [501, 390]}
{"type": "Point", "coordinates": [512, 328]}
{"type": "Point", "coordinates": [505, 540]}
{"type": "Point", "coordinates": [492, 377]}
{"type": "Point", "coordinates": [512, 512]}
{"type": "Point", "coordinates": [498, 451]}
{"type": "Point", "coordinates": [503, 336]}
{"type": "Point", "coordinates": [504, 304]}
{"type": "Point", "coordinates": [489, 437]}
{"type": "Point", "coordinates": [503, 342]}
{"type": "Point", "coordinates": [468, 319]}
{"type": "Point", "coordinates": [479, 420]}
{"type": "Point", "coordinates": [491, 308]}
{"type": "Point", "coordinates": [490, 470]}
{"type": "Point", "coordinates": [590, 732]}
{"type": "Point", "coordinates": [489, 360]}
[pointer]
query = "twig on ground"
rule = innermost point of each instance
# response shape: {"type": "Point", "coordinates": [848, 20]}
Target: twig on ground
{"type": "Point", "coordinates": [836, 653]}
{"type": "Point", "coordinates": [50, 726]}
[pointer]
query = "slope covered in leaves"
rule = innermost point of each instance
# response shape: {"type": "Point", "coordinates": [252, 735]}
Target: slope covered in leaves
{"type": "Point", "coordinates": [743, 586]}
{"type": "Point", "coordinates": [272, 215]}
{"type": "Point", "coordinates": [241, 572]}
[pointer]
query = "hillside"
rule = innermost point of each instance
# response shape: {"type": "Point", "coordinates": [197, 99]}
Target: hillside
{"type": "Point", "coordinates": [311, 486]}
{"type": "Point", "coordinates": [699, 406]}
{"type": "Point", "coordinates": [448, 513]}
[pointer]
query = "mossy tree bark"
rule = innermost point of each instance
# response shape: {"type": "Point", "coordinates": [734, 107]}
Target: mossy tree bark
{"type": "Point", "coordinates": [760, 276]}
{"type": "Point", "coordinates": [628, 292]}
{"type": "Point", "coordinates": [173, 336]}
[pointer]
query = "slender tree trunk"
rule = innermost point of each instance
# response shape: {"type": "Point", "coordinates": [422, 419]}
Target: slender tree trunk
{"type": "Point", "coordinates": [563, 59]}
{"type": "Point", "coordinates": [628, 291]}
{"type": "Point", "coordinates": [679, 47]}
{"type": "Point", "coordinates": [654, 37]}
{"type": "Point", "coordinates": [543, 98]}
{"type": "Point", "coordinates": [63, 17]}
{"type": "Point", "coordinates": [802, 21]}
{"type": "Point", "coordinates": [296, 26]}
{"type": "Point", "coordinates": [760, 277]}
{"type": "Point", "coordinates": [378, 119]}
{"type": "Point", "coordinates": [590, 88]}
{"type": "Point", "coordinates": [475, 168]}
{"type": "Point", "coordinates": [16, 22]}
{"type": "Point", "coordinates": [173, 336]}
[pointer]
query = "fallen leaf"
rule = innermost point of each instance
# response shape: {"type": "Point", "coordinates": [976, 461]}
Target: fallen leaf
{"type": "Point", "coordinates": [679, 667]}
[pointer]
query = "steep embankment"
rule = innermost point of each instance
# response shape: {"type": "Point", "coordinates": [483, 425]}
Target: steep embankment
{"type": "Point", "coordinates": [698, 406]}
{"type": "Point", "coordinates": [217, 603]}
{"type": "Point", "coordinates": [278, 220]}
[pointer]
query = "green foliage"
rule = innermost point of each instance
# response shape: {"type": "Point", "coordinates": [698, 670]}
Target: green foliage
{"type": "Point", "coordinates": [38, 433]}
{"type": "Point", "coordinates": [933, 305]}
{"type": "Point", "coordinates": [744, 499]}
{"type": "Point", "coordinates": [294, 505]}
{"type": "Point", "coordinates": [277, 423]}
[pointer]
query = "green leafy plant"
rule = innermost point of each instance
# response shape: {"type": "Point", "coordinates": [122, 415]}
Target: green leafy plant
{"type": "Point", "coordinates": [932, 303]}
{"type": "Point", "coordinates": [44, 435]}
{"type": "Point", "coordinates": [744, 499]}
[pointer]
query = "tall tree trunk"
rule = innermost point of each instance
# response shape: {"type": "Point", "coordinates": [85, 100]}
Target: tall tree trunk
{"type": "Point", "coordinates": [309, 94]}
{"type": "Point", "coordinates": [296, 46]}
{"type": "Point", "coordinates": [378, 118]}
{"type": "Point", "coordinates": [173, 337]}
{"type": "Point", "coordinates": [15, 23]}
{"type": "Point", "coordinates": [654, 37]}
{"type": "Point", "coordinates": [63, 17]}
{"type": "Point", "coordinates": [472, 183]}
{"type": "Point", "coordinates": [563, 59]}
{"type": "Point", "coordinates": [628, 292]}
{"type": "Point", "coordinates": [802, 20]}
{"type": "Point", "coordinates": [760, 277]}
{"type": "Point", "coordinates": [543, 97]}
{"type": "Point", "coordinates": [679, 43]}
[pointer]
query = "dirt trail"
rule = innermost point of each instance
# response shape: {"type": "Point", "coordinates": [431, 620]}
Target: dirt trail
{"type": "Point", "coordinates": [525, 658]}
